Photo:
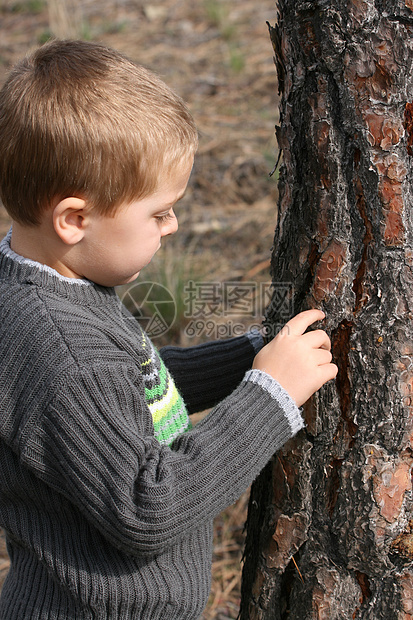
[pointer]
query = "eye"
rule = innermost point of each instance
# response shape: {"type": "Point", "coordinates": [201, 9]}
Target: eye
{"type": "Point", "coordinates": [162, 219]}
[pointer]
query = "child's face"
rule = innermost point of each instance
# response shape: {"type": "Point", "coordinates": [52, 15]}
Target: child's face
{"type": "Point", "coordinates": [119, 247]}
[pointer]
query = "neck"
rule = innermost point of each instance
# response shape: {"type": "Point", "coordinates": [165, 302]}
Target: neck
{"type": "Point", "coordinates": [40, 244]}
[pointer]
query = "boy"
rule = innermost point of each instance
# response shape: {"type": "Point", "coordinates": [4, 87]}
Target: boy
{"type": "Point", "coordinates": [106, 495]}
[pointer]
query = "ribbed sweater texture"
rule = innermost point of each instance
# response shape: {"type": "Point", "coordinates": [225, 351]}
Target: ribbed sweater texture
{"type": "Point", "coordinates": [103, 521]}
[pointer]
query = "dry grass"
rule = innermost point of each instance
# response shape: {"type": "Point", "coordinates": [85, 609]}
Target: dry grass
{"type": "Point", "coordinates": [217, 55]}
{"type": "Point", "coordinates": [224, 600]}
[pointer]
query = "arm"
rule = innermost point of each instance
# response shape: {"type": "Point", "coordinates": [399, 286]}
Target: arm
{"type": "Point", "coordinates": [207, 373]}
{"type": "Point", "coordinates": [94, 443]}
{"type": "Point", "coordinates": [94, 447]}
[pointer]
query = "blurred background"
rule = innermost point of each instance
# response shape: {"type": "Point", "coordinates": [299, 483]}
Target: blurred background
{"type": "Point", "coordinates": [217, 55]}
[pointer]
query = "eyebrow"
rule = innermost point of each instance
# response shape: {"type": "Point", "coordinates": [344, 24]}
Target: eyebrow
{"type": "Point", "coordinates": [181, 195]}
{"type": "Point", "coordinates": [175, 200]}
{"type": "Point", "coordinates": [172, 203]}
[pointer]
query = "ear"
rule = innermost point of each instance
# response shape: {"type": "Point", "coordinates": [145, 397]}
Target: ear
{"type": "Point", "coordinates": [69, 220]}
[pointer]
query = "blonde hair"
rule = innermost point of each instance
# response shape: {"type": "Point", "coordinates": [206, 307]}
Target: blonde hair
{"type": "Point", "coordinates": [80, 119]}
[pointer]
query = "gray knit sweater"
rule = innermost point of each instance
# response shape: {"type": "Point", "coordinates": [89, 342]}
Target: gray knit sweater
{"type": "Point", "coordinates": [102, 521]}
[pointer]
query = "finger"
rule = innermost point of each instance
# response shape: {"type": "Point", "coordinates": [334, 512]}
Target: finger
{"type": "Point", "coordinates": [328, 371]}
{"type": "Point", "coordinates": [321, 357]}
{"type": "Point", "coordinates": [298, 324]}
{"type": "Point", "coordinates": [318, 339]}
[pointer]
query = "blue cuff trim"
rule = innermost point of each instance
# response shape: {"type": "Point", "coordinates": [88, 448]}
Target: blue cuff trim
{"type": "Point", "coordinates": [276, 391]}
{"type": "Point", "coordinates": [255, 339]}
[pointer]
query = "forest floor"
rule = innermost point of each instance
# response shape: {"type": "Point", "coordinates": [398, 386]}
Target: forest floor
{"type": "Point", "coordinates": [217, 55]}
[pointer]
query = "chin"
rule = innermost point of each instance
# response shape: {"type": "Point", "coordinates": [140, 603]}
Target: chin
{"type": "Point", "coordinates": [118, 282]}
{"type": "Point", "coordinates": [131, 278]}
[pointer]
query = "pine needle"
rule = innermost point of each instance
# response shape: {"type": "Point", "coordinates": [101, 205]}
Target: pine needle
{"type": "Point", "coordinates": [299, 572]}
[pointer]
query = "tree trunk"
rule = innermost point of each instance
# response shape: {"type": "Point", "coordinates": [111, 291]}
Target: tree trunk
{"type": "Point", "coordinates": [330, 524]}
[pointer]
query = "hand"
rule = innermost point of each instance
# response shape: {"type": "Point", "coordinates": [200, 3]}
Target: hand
{"type": "Point", "coordinates": [300, 361]}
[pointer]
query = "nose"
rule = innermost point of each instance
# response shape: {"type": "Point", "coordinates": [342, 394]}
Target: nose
{"type": "Point", "coordinates": [171, 226]}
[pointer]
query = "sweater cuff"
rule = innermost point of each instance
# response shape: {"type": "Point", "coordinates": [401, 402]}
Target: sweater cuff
{"type": "Point", "coordinates": [277, 392]}
{"type": "Point", "coordinates": [256, 339]}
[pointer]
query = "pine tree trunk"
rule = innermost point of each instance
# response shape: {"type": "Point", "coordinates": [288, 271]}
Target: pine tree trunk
{"type": "Point", "coordinates": [330, 524]}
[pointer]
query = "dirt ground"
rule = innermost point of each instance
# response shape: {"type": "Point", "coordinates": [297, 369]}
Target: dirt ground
{"type": "Point", "coordinates": [217, 55]}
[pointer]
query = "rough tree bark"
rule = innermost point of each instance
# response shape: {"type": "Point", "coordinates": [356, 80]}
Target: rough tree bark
{"type": "Point", "coordinates": [330, 525]}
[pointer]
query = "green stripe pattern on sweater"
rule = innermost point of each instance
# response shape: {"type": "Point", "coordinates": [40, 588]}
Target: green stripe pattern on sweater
{"type": "Point", "coordinates": [169, 414]}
